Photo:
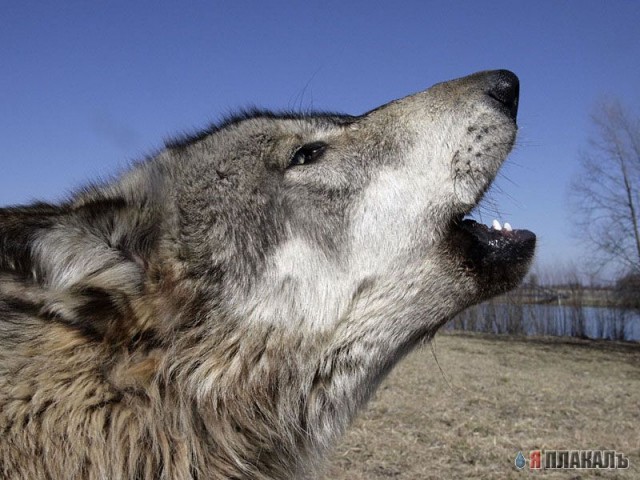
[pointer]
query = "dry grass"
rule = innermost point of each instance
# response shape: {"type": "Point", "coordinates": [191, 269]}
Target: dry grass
{"type": "Point", "coordinates": [493, 397]}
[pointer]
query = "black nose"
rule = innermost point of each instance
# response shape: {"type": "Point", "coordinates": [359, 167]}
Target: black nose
{"type": "Point", "coordinates": [504, 87]}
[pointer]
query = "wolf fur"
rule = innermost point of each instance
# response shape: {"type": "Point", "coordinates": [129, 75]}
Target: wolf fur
{"type": "Point", "coordinates": [225, 308]}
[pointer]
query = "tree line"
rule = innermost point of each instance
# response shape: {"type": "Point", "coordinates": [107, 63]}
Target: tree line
{"type": "Point", "coordinates": [605, 196]}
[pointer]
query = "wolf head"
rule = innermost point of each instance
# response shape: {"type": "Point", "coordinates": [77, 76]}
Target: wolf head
{"type": "Point", "coordinates": [344, 231]}
{"type": "Point", "coordinates": [293, 219]}
{"type": "Point", "coordinates": [301, 217]}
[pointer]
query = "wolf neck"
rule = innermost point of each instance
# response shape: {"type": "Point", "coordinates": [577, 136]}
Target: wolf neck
{"type": "Point", "coordinates": [287, 395]}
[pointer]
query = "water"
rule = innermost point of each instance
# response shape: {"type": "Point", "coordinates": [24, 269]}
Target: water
{"type": "Point", "coordinates": [589, 322]}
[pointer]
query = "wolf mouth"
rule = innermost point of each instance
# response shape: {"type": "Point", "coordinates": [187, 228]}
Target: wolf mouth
{"type": "Point", "coordinates": [498, 243]}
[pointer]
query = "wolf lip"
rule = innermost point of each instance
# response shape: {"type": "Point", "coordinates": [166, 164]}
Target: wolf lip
{"type": "Point", "coordinates": [493, 244]}
{"type": "Point", "coordinates": [489, 235]}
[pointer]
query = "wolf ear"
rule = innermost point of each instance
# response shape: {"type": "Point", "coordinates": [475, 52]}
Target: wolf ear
{"type": "Point", "coordinates": [18, 225]}
{"type": "Point", "coordinates": [82, 264]}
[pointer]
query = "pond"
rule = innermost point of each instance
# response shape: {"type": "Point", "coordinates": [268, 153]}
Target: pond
{"type": "Point", "coordinates": [534, 319]}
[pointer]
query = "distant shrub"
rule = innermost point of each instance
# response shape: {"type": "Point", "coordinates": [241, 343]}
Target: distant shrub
{"type": "Point", "coordinates": [627, 291]}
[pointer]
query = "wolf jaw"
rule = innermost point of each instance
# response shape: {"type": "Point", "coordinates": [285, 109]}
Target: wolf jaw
{"type": "Point", "coordinates": [497, 253]}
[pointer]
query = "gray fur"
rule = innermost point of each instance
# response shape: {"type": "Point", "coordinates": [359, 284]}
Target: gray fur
{"type": "Point", "coordinates": [219, 313]}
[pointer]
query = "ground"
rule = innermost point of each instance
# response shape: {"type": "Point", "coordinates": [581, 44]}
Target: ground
{"type": "Point", "coordinates": [463, 406]}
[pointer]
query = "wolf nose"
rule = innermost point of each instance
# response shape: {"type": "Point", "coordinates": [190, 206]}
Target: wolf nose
{"type": "Point", "coordinates": [504, 87]}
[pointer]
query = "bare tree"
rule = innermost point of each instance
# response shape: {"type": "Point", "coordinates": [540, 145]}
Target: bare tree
{"type": "Point", "coordinates": [605, 196]}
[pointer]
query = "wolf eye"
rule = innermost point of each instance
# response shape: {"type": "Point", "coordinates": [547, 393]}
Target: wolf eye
{"type": "Point", "coordinates": [307, 153]}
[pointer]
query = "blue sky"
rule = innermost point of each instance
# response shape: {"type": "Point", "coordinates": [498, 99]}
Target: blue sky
{"type": "Point", "coordinates": [86, 87]}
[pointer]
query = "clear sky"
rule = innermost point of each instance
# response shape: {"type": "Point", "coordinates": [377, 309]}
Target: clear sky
{"type": "Point", "coordinates": [86, 87]}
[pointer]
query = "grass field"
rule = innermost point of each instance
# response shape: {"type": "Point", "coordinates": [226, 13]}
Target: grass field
{"type": "Point", "coordinates": [491, 397]}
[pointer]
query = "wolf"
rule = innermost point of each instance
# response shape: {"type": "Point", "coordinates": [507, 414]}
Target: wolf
{"type": "Point", "coordinates": [227, 306]}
